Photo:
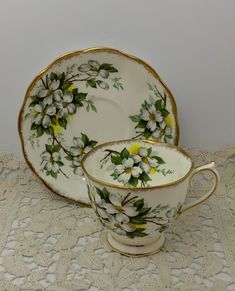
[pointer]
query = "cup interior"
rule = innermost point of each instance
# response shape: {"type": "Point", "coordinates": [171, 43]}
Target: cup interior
{"type": "Point", "coordinates": [145, 163]}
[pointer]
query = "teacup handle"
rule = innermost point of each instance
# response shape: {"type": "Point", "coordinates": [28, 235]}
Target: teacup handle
{"type": "Point", "coordinates": [211, 168]}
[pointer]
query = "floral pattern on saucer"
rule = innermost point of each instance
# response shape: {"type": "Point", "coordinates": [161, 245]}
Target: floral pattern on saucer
{"type": "Point", "coordinates": [135, 165]}
{"type": "Point", "coordinates": [128, 215]}
{"type": "Point", "coordinates": [57, 99]}
{"type": "Point", "coordinates": [153, 120]}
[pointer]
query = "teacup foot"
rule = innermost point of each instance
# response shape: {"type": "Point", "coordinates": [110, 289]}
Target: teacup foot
{"type": "Point", "coordinates": [136, 251]}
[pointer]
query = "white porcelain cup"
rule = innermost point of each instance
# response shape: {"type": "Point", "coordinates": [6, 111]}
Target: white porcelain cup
{"type": "Point", "coordinates": [137, 188]}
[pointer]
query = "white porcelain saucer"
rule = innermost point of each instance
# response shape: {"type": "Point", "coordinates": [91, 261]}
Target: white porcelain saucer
{"type": "Point", "coordinates": [88, 97]}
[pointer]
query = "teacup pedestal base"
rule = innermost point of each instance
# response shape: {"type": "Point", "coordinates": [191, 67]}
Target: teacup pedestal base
{"type": "Point", "coordinates": [129, 250]}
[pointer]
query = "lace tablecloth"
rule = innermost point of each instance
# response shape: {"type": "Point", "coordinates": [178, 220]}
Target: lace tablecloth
{"type": "Point", "coordinates": [50, 243]}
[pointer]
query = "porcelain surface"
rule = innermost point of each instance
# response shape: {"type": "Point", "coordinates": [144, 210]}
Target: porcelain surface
{"type": "Point", "coordinates": [137, 188]}
{"type": "Point", "coordinates": [88, 97]}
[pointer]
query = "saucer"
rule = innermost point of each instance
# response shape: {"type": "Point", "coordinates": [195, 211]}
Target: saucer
{"type": "Point", "coordinates": [84, 98]}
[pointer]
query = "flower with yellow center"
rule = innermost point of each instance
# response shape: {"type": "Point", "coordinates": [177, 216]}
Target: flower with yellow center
{"type": "Point", "coordinates": [146, 160]}
{"type": "Point", "coordinates": [126, 170]}
{"type": "Point", "coordinates": [152, 116]}
{"type": "Point", "coordinates": [163, 133]}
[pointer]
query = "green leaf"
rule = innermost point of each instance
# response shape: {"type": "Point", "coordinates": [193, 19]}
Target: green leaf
{"type": "Point", "coordinates": [147, 134]}
{"type": "Point", "coordinates": [57, 148]}
{"type": "Point", "coordinates": [49, 130]}
{"type": "Point", "coordinates": [160, 160]}
{"type": "Point", "coordinates": [137, 220]}
{"type": "Point", "coordinates": [133, 181]}
{"type": "Point", "coordinates": [112, 70]}
{"type": "Point", "coordinates": [34, 98]}
{"type": "Point", "coordinates": [53, 120]}
{"type": "Point", "coordinates": [144, 177]}
{"type": "Point", "coordinates": [106, 194]}
{"type": "Point", "coordinates": [144, 211]}
{"type": "Point", "coordinates": [85, 138]}
{"type": "Point", "coordinates": [165, 112]}
{"type": "Point", "coordinates": [61, 77]}
{"type": "Point", "coordinates": [145, 104]}
{"type": "Point", "coordinates": [34, 126]}
{"type": "Point", "coordinates": [115, 175]}
{"type": "Point", "coordinates": [80, 96]}
{"type": "Point", "coordinates": [65, 85]}
{"type": "Point", "coordinates": [139, 204]}
{"type": "Point", "coordinates": [93, 108]}
{"type": "Point", "coordinates": [60, 163]}
{"type": "Point", "coordinates": [158, 105]}
{"type": "Point", "coordinates": [54, 175]}
{"type": "Point", "coordinates": [69, 157]}
{"type": "Point", "coordinates": [53, 76]}
{"type": "Point", "coordinates": [32, 104]}
{"type": "Point", "coordinates": [79, 104]}
{"type": "Point", "coordinates": [135, 118]}
{"type": "Point", "coordinates": [98, 82]}
{"type": "Point", "coordinates": [116, 160]}
{"type": "Point", "coordinates": [62, 122]}
{"type": "Point", "coordinates": [125, 154]}
{"type": "Point", "coordinates": [149, 151]}
{"type": "Point", "coordinates": [103, 194]}
{"type": "Point", "coordinates": [141, 124]}
{"type": "Point", "coordinates": [92, 143]}
{"type": "Point", "coordinates": [75, 91]}
{"type": "Point", "coordinates": [91, 83]}
{"type": "Point", "coordinates": [48, 148]}
{"type": "Point", "coordinates": [40, 130]}
{"type": "Point", "coordinates": [108, 67]}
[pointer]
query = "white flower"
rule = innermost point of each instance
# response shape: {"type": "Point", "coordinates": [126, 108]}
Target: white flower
{"type": "Point", "coordinates": [92, 68]}
{"type": "Point", "coordinates": [163, 132]}
{"type": "Point", "coordinates": [145, 159]}
{"type": "Point", "coordinates": [52, 91]}
{"type": "Point", "coordinates": [103, 85]}
{"type": "Point", "coordinates": [43, 114]}
{"type": "Point", "coordinates": [126, 170]}
{"type": "Point", "coordinates": [64, 104]}
{"type": "Point", "coordinates": [152, 116]}
{"type": "Point", "coordinates": [49, 161]}
{"type": "Point", "coordinates": [78, 148]}
{"type": "Point", "coordinates": [115, 213]}
{"type": "Point", "coordinates": [76, 163]}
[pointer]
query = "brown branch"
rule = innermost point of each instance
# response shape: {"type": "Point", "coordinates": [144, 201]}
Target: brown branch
{"type": "Point", "coordinates": [138, 135]}
{"type": "Point", "coordinates": [127, 201]}
{"type": "Point", "coordinates": [109, 153]}
{"type": "Point", "coordinates": [154, 222]}
{"type": "Point", "coordinates": [128, 194]}
{"type": "Point", "coordinates": [63, 173]}
{"type": "Point", "coordinates": [64, 149]}
{"type": "Point", "coordinates": [44, 84]}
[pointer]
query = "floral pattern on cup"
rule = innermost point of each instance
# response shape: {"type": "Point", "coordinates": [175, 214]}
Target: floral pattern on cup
{"type": "Point", "coordinates": [153, 120]}
{"type": "Point", "coordinates": [135, 165]}
{"type": "Point", "coordinates": [55, 102]}
{"type": "Point", "coordinates": [128, 215]}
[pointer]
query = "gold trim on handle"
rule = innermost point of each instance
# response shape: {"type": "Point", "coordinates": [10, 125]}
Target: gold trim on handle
{"type": "Point", "coordinates": [215, 186]}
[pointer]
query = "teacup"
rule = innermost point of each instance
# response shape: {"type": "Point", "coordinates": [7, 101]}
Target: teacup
{"type": "Point", "coordinates": [137, 188]}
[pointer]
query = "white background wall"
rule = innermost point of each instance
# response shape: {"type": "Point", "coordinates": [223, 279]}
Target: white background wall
{"type": "Point", "coordinates": [190, 43]}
